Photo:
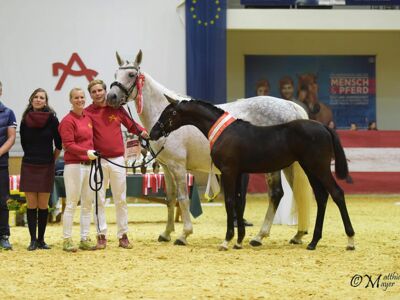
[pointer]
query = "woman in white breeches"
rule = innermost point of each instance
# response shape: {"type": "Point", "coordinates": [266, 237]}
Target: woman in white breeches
{"type": "Point", "coordinates": [76, 180]}
{"type": "Point", "coordinates": [76, 131]}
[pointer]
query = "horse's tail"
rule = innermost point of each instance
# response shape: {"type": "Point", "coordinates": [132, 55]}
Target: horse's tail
{"type": "Point", "coordinates": [302, 194]}
{"type": "Point", "coordinates": [341, 167]}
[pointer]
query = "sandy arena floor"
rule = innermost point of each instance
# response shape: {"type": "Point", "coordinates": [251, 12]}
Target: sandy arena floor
{"type": "Point", "coordinates": [153, 270]}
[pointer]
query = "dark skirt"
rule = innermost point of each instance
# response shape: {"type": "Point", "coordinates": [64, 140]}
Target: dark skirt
{"type": "Point", "coordinates": [37, 178]}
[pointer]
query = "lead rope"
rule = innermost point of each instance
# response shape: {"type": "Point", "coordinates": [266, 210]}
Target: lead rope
{"type": "Point", "coordinates": [98, 176]}
{"type": "Point", "coordinates": [145, 142]}
{"type": "Point", "coordinates": [134, 166]}
{"type": "Point", "coordinates": [98, 184]}
{"type": "Point", "coordinates": [96, 164]}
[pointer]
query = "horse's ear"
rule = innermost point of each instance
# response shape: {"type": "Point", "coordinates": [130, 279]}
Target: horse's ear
{"type": "Point", "coordinates": [138, 59]}
{"type": "Point", "coordinates": [171, 100]}
{"type": "Point", "coordinates": [119, 60]}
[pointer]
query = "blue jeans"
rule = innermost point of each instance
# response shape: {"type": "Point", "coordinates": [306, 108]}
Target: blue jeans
{"type": "Point", "coordinates": [4, 196]}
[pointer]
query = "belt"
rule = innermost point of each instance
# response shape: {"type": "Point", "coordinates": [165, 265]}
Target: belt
{"type": "Point", "coordinates": [86, 163]}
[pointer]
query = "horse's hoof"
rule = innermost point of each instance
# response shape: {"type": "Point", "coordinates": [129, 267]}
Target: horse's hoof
{"type": "Point", "coordinates": [310, 247]}
{"type": "Point", "coordinates": [350, 248]}
{"type": "Point", "coordinates": [222, 248]}
{"type": "Point", "coordinates": [163, 239]}
{"type": "Point", "coordinates": [178, 242]}
{"type": "Point", "coordinates": [295, 241]}
{"type": "Point", "coordinates": [237, 247]}
{"type": "Point", "coordinates": [255, 243]}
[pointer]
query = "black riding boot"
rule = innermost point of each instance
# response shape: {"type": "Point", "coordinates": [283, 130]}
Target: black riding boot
{"type": "Point", "coordinates": [31, 216]}
{"type": "Point", "coordinates": [42, 223]}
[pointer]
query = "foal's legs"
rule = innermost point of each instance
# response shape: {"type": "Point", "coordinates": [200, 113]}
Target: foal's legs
{"type": "Point", "coordinates": [241, 192]}
{"type": "Point", "coordinates": [337, 195]}
{"type": "Point", "coordinates": [321, 195]}
{"type": "Point", "coordinates": [240, 202]}
{"type": "Point", "coordinates": [171, 202]}
{"type": "Point", "coordinates": [275, 194]}
{"type": "Point", "coordinates": [229, 180]}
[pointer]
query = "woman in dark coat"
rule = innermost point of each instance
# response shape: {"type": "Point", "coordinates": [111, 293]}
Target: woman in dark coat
{"type": "Point", "coordinates": [39, 132]}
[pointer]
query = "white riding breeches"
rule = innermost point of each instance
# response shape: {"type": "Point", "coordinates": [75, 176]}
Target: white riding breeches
{"type": "Point", "coordinates": [286, 214]}
{"type": "Point", "coordinates": [76, 180]}
{"type": "Point", "coordinates": [115, 177]}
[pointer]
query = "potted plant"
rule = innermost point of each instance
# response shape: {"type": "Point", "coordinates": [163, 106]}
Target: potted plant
{"type": "Point", "coordinates": [19, 209]}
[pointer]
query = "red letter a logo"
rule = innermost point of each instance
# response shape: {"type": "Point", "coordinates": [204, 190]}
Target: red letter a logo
{"type": "Point", "coordinates": [67, 70]}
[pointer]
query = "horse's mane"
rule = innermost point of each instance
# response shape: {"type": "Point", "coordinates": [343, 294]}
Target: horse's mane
{"type": "Point", "coordinates": [208, 105]}
{"type": "Point", "coordinates": [165, 90]}
{"type": "Point", "coordinates": [211, 106]}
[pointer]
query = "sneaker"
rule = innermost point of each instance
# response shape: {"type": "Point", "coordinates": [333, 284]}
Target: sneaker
{"type": "Point", "coordinates": [124, 242]}
{"type": "Point", "coordinates": [42, 245]}
{"type": "Point", "coordinates": [32, 246]}
{"type": "Point", "coordinates": [101, 242]}
{"type": "Point", "coordinates": [87, 245]}
{"type": "Point", "coordinates": [5, 243]}
{"type": "Point", "coordinates": [68, 245]}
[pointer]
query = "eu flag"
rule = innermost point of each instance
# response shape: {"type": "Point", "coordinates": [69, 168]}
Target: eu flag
{"type": "Point", "coordinates": [206, 49]}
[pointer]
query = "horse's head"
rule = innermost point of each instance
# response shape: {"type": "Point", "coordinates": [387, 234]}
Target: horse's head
{"type": "Point", "coordinates": [307, 92]}
{"type": "Point", "coordinates": [126, 80]}
{"type": "Point", "coordinates": [169, 120]}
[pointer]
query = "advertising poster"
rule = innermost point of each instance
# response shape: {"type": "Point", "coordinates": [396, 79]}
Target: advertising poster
{"type": "Point", "coordinates": [293, 2]}
{"type": "Point", "coordinates": [340, 86]}
{"type": "Point", "coordinates": [319, 2]}
{"type": "Point", "coordinates": [372, 2]}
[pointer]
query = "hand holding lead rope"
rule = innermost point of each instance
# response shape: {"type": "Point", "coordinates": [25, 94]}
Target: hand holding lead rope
{"type": "Point", "coordinates": [144, 134]}
{"type": "Point", "coordinates": [92, 154]}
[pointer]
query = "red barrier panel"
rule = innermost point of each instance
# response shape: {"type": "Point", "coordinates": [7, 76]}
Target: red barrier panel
{"type": "Point", "coordinates": [374, 163]}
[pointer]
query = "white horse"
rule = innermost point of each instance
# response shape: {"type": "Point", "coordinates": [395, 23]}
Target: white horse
{"type": "Point", "coordinates": [188, 150]}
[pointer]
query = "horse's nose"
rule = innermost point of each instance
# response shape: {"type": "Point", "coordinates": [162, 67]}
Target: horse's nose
{"type": "Point", "coordinates": [112, 99]}
{"type": "Point", "coordinates": [153, 135]}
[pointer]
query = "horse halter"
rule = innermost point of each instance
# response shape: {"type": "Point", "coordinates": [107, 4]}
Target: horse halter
{"type": "Point", "coordinates": [127, 91]}
{"type": "Point", "coordinates": [163, 126]}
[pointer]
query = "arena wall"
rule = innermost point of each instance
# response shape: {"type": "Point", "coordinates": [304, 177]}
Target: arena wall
{"type": "Point", "coordinates": [37, 34]}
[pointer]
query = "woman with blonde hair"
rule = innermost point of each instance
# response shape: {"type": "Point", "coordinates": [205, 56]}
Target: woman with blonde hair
{"type": "Point", "coordinates": [39, 135]}
{"type": "Point", "coordinates": [76, 132]}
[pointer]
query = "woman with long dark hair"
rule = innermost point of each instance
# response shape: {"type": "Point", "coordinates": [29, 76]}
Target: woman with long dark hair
{"type": "Point", "coordinates": [39, 135]}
